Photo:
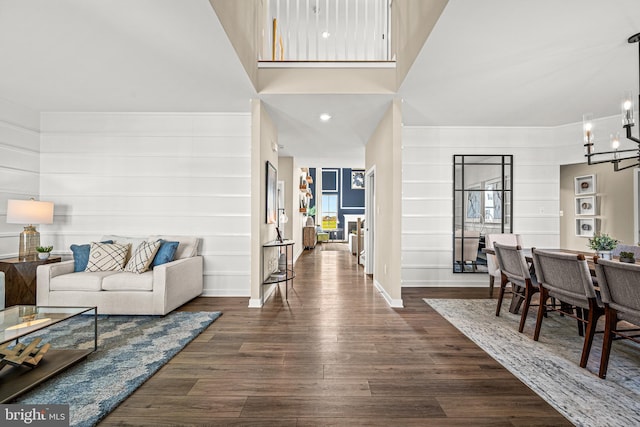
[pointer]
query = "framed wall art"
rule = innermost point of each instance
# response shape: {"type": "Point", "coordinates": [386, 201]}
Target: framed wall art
{"type": "Point", "coordinates": [272, 194]}
{"type": "Point", "coordinates": [357, 180]}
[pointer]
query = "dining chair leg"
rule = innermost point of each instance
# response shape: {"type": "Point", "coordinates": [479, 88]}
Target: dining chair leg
{"type": "Point", "coordinates": [610, 322]}
{"type": "Point", "coordinates": [503, 285]}
{"type": "Point", "coordinates": [491, 280]}
{"type": "Point", "coordinates": [584, 315]}
{"type": "Point", "coordinates": [592, 314]}
{"type": "Point", "coordinates": [542, 311]}
{"type": "Point", "coordinates": [525, 310]}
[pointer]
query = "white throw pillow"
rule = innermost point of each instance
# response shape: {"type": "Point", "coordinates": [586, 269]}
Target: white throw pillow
{"type": "Point", "coordinates": [107, 257]}
{"type": "Point", "coordinates": [142, 257]}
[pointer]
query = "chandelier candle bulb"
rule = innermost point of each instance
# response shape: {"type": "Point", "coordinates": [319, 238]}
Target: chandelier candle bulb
{"type": "Point", "coordinates": [615, 141]}
{"type": "Point", "coordinates": [587, 126]}
{"type": "Point", "coordinates": [627, 110]}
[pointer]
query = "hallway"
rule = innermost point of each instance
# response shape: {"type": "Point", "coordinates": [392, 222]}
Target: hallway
{"type": "Point", "coordinates": [334, 354]}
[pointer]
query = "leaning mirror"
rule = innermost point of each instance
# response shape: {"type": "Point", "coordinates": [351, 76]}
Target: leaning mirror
{"type": "Point", "coordinates": [482, 195]}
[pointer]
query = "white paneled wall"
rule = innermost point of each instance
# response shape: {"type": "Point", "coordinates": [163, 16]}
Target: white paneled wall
{"type": "Point", "coordinates": [19, 167]}
{"type": "Point", "coordinates": [153, 173]}
{"type": "Point", "coordinates": [427, 194]}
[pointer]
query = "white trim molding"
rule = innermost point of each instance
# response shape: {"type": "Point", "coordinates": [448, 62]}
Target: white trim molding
{"type": "Point", "coordinates": [393, 303]}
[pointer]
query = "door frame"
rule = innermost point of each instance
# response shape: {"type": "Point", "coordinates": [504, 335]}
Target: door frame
{"type": "Point", "coordinates": [369, 218]}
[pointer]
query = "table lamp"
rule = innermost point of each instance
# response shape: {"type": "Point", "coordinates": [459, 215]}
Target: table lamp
{"type": "Point", "coordinates": [29, 212]}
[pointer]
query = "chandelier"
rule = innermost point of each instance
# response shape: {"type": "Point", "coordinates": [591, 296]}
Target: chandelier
{"type": "Point", "coordinates": [615, 156]}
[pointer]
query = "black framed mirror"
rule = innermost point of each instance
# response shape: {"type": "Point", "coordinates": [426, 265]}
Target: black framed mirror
{"type": "Point", "coordinates": [482, 204]}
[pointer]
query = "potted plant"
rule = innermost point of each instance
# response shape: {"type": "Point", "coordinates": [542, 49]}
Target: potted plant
{"type": "Point", "coordinates": [603, 244]}
{"type": "Point", "coordinates": [44, 251]}
{"type": "Point", "coordinates": [627, 257]}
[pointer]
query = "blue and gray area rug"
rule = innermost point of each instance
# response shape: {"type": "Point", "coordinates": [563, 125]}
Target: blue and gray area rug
{"type": "Point", "coordinates": [130, 350]}
{"type": "Point", "coordinates": [550, 366]}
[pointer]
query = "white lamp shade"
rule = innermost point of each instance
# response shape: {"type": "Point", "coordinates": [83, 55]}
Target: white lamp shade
{"type": "Point", "coordinates": [29, 212]}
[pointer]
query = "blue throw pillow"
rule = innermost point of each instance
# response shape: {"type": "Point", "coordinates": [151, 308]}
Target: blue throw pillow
{"type": "Point", "coordinates": [81, 256]}
{"type": "Point", "coordinates": [166, 253]}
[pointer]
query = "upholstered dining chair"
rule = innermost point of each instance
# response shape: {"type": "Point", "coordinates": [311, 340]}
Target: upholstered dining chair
{"type": "Point", "coordinates": [515, 270]}
{"type": "Point", "coordinates": [467, 251]}
{"type": "Point", "coordinates": [620, 291]}
{"type": "Point", "coordinates": [566, 278]}
{"type": "Point", "coordinates": [492, 263]}
{"type": "Point", "coordinates": [635, 250]}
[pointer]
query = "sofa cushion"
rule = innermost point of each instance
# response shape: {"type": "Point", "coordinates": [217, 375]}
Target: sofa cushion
{"type": "Point", "coordinates": [83, 281]}
{"type": "Point", "coordinates": [142, 257]}
{"type": "Point", "coordinates": [107, 257]}
{"type": "Point", "coordinates": [81, 255]}
{"type": "Point", "coordinates": [128, 282]}
{"type": "Point", "coordinates": [123, 240]}
{"type": "Point", "coordinates": [187, 248]}
{"type": "Point", "coordinates": [166, 253]}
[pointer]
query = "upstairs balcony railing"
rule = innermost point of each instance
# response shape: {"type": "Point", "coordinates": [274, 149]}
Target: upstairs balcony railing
{"type": "Point", "coordinates": [326, 31]}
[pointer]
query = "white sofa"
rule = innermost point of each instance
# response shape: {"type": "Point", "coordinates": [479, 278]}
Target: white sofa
{"type": "Point", "coordinates": [154, 292]}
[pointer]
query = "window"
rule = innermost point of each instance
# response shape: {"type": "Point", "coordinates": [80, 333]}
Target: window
{"type": "Point", "coordinates": [329, 211]}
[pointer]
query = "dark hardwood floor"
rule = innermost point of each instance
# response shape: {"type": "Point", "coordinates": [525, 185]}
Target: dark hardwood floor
{"type": "Point", "coordinates": [333, 354]}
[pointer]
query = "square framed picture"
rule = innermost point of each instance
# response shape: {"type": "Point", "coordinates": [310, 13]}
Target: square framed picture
{"type": "Point", "coordinates": [357, 180]}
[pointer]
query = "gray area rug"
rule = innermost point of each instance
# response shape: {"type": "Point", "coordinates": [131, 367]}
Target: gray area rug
{"type": "Point", "coordinates": [130, 350]}
{"type": "Point", "coordinates": [550, 366]}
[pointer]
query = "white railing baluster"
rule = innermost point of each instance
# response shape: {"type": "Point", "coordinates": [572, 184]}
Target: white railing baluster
{"type": "Point", "coordinates": [359, 30]}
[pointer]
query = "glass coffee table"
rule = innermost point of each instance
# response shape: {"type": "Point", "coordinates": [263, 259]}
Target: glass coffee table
{"type": "Point", "coordinates": [36, 344]}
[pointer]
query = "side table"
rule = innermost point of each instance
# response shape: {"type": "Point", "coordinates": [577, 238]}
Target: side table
{"type": "Point", "coordinates": [20, 279]}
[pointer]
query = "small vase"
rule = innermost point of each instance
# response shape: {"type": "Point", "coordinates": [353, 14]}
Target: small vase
{"type": "Point", "coordinates": [43, 255]}
{"type": "Point", "coordinates": [628, 260]}
{"type": "Point", "coordinates": [605, 254]}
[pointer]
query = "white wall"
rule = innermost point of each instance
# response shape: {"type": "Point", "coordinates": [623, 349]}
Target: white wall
{"type": "Point", "coordinates": [427, 195]}
{"type": "Point", "coordinates": [383, 152]}
{"type": "Point", "coordinates": [264, 136]}
{"type": "Point", "coordinates": [153, 173]}
{"type": "Point", "coordinates": [19, 167]}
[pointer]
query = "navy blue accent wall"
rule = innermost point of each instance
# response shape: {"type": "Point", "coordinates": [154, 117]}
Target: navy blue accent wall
{"type": "Point", "coordinates": [329, 180]}
{"type": "Point", "coordinates": [350, 202]}
{"type": "Point", "coordinates": [351, 198]}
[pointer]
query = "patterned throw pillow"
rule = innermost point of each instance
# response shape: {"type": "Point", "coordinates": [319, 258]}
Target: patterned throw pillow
{"type": "Point", "coordinates": [107, 256]}
{"type": "Point", "coordinates": [81, 256]}
{"type": "Point", "coordinates": [142, 257]}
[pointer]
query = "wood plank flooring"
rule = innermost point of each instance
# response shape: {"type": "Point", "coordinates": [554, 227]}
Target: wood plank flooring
{"type": "Point", "coordinates": [333, 354]}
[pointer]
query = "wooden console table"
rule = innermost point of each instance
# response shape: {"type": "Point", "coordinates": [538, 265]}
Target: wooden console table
{"type": "Point", "coordinates": [20, 279]}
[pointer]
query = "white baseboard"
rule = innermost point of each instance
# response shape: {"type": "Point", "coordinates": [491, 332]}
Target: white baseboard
{"type": "Point", "coordinates": [255, 303]}
{"type": "Point", "coordinates": [393, 303]}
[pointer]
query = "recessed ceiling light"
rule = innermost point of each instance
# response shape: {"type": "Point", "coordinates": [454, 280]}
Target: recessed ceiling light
{"type": "Point", "coordinates": [325, 117]}
{"type": "Point", "coordinates": [325, 34]}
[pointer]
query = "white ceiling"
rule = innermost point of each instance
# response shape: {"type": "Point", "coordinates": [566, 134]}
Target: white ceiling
{"type": "Point", "coordinates": [341, 141]}
{"type": "Point", "coordinates": [486, 63]}
{"type": "Point", "coordinates": [118, 55]}
{"type": "Point", "coordinates": [524, 63]}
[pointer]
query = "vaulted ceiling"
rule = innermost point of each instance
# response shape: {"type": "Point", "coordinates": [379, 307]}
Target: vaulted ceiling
{"type": "Point", "coordinates": [486, 63]}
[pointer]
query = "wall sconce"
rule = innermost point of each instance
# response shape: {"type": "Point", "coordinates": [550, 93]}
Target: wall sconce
{"type": "Point", "coordinates": [29, 212]}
